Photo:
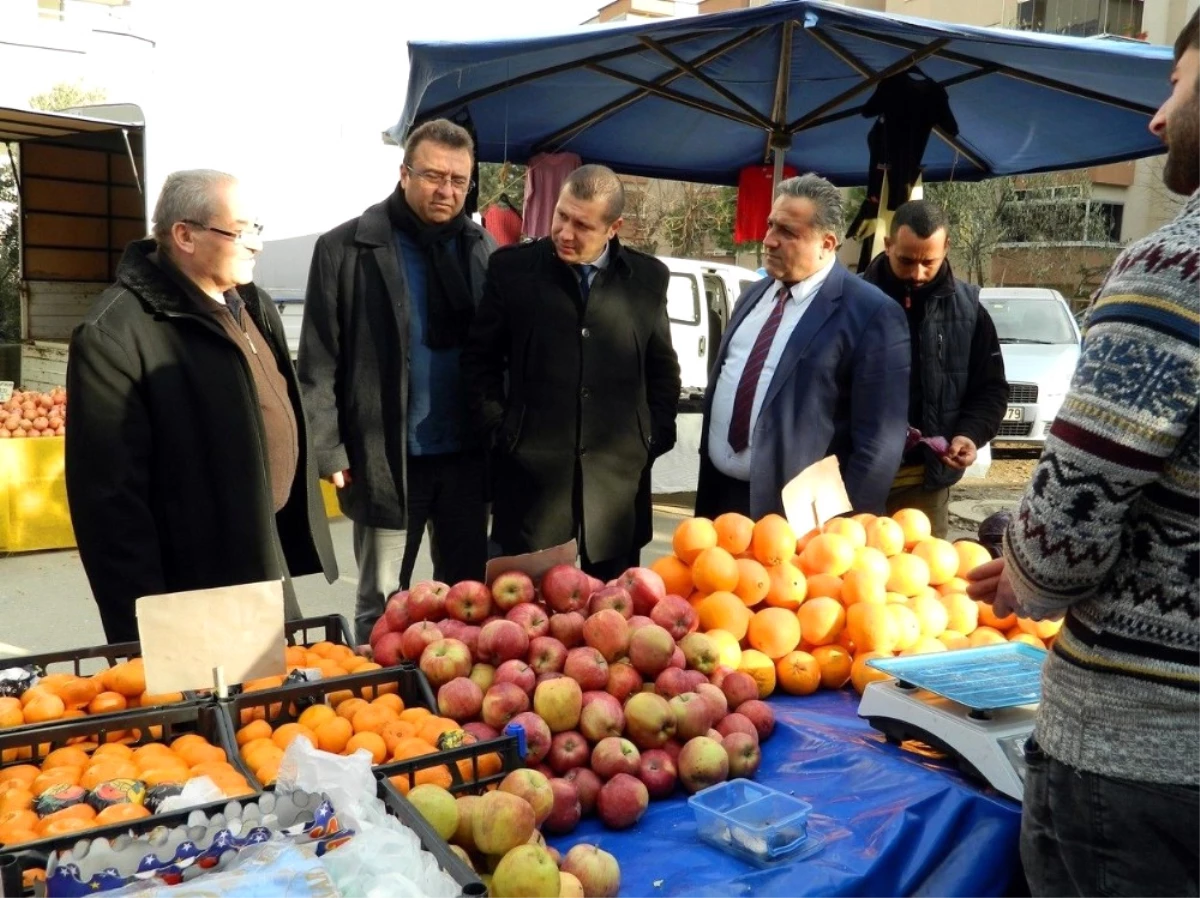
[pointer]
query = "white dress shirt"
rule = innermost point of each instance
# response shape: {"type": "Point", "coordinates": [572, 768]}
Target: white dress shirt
{"type": "Point", "coordinates": [741, 344]}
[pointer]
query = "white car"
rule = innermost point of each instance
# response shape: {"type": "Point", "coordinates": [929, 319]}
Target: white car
{"type": "Point", "coordinates": [1039, 340]}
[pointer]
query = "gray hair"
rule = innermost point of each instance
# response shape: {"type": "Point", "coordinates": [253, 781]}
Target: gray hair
{"type": "Point", "coordinates": [828, 208]}
{"type": "Point", "coordinates": [589, 182]}
{"type": "Point", "coordinates": [187, 196]}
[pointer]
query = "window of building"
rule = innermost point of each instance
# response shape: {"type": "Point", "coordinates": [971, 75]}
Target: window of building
{"type": "Point", "coordinates": [1046, 216]}
{"type": "Point", "coordinates": [1082, 18]}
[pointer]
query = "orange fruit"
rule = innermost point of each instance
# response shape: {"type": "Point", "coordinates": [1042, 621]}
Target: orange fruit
{"type": "Point", "coordinates": [828, 553]}
{"type": "Point", "coordinates": [10, 712]}
{"type": "Point", "coordinates": [871, 561]}
{"type": "Point", "coordinates": [1027, 638]}
{"type": "Point", "coordinates": [931, 614]}
{"type": "Point", "coordinates": [761, 668]}
{"type": "Point", "coordinates": [324, 648]}
{"type": "Point", "coordinates": [108, 770]}
{"type": "Point", "coordinates": [258, 751]}
{"type": "Point", "coordinates": [724, 611]}
{"type": "Point", "coordinates": [910, 574]}
{"type": "Point", "coordinates": [908, 626]}
{"type": "Point", "coordinates": [334, 734]}
{"type": "Point", "coordinates": [941, 558]}
{"type": "Point", "coordinates": [284, 735]}
{"type": "Point", "coordinates": [120, 812]}
{"type": "Point", "coordinates": [985, 636]}
{"type": "Point", "coordinates": [915, 524]}
{"type": "Point", "coordinates": [150, 699]}
{"type": "Point", "coordinates": [55, 776]}
{"type": "Point", "coordinates": [774, 632]}
{"type": "Point", "coordinates": [124, 752]}
{"type": "Point", "coordinates": [798, 673]}
{"type": "Point", "coordinates": [22, 819]}
{"type": "Point", "coordinates": [70, 756]}
{"type": "Point", "coordinates": [268, 772]}
{"type": "Point", "coordinates": [987, 617]}
{"type": "Point", "coordinates": [753, 582]}
{"type": "Point", "coordinates": [970, 556]}
{"type": "Point", "coordinates": [78, 692]}
{"type": "Point", "coordinates": [953, 640]}
{"type": "Point", "coordinates": [255, 729]}
{"type": "Point", "coordinates": [835, 663]}
{"type": "Point", "coordinates": [411, 747]}
{"type": "Point", "coordinates": [715, 570]}
{"type": "Point", "coordinates": [82, 811]}
{"type": "Point", "coordinates": [18, 775]}
{"type": "Point", "coordinates": [963, 613]}
{"type": "Point", "coordinates": [415, 714]}
{"type": "Point", "coordinates": [824, 585]}
{"type": "Point", "coordinates": [692, 537]}
{"type": "Point", "coordinates": [872, 627]}
{"type": "Point", "coordinates": [734, 532]}
{"type": "Point", "coordinates": [389, 701]}
{"type": "Point", "coordinates": [677, 576]}
{"type": "Point", "coordinates": [197, 753]}
{"type": "Point", "coordinates": [1042, 629]}
{"type": "Point", "coordinates": [65, 825]}
{"type": "Point", "coordinates": [42, 707]}
{"type": "Point", "coordinates": [294, 655]}
{"type": "Point", "coordinates": [849, 528]}
{"type": "Point", "coordinates": [926, 645]}
{"type": "Point", "coordinates": [861, 674]}
{"type": "Point", "coordinates": [395, 730]}
{"type": "Point", "coordinates": [787, 586]}
{"type": "Point", "coordinates": [128, 678]}
{"type": "Point", "coordinates": [15, 834]}
{"type": "Point", "coordinates": [432, 728]}
{"type": "Point", "coordinates": [350, 707]}
{"type": "Point", "coordinates": [885, 535]}
{"type": "Point", "coordinates": [803, 540]}
{"type": "Point", "coordinates": [15, 800]}
{"type": "Point", "coordinates": [729, 650]}
{"type": "Point", "coordinates": [773, 540]}
{"type": "Point", "coordinates": [372, 718]}
{"type": "Point", "coordinates": [107, 702]}
{"type": "Point", "coordinates": [821, 620]}
{"type": "Point", "coordinates": [372, 742]}
{"type": "Point", "coordinates": [861, 586]}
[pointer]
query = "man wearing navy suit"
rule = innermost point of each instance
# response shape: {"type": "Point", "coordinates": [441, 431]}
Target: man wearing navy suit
{"type": "Point", "coordinates": [815, 362]}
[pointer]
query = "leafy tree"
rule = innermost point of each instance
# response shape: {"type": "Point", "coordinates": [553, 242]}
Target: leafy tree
{"type": "Point", "coordinates": [499, 179]}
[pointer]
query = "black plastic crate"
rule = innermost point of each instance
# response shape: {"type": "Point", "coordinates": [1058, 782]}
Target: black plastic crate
{"type": "Point", "coordinates": [327, 628]}
{"type": "Point", "coordinates": [75, 659]}
{"type": "Point", "coordinates": [398, 806]}
{"type": "Point", "coordinates": [467, 773]}
{"type": "Point", "coordinates": [174, 721]}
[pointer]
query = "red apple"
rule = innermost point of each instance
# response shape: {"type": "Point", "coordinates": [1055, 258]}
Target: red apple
{"type": "Point", "coordinates": [566, 809]}
{"type": "Point", "coordinates": [622, 801]}
{"type": "Point", "coordinates": [716, 700]}
{"type": "Point", "coordinates": [502, 703]}
{"type": "Point", "coordinates": [675, 616]}
{"type": "Point", "coordinates": [444, 660]}
{"type": "Point", "coordinates": [701, 652]}
{"type": "Point", "coordinates": [468, 635]}
{"type": "Point", "coordinates": [657, 770]}
{"type": "Point", "coordinates": [693, 715]}
{"type": "Point", "coordinates": [715, 734]}
{"type": "Point", "coordinates": [534, 787]}
{"type": "Point", "coordinates": [739, 687]}
{"type": "Point", "coordinates": [734, 722]}
{"type": "Point", "coordinates": [558, 702]}
{"type": "Point", "coordinates": [588, 784]}
{"type": "Point", "coordinates": [450, 628]}
{"type": "Point", "coordinates": [389, 650]}
{"type": "Point", "coordinates": [568, 750]}
{"type": "Point", "coordinates": [565, 588]}
{"type": "Point", "coordinates": [427, 600]}
{"type": "Point", "coordinates": [480, 730]}
{"type": "Point", "coordinates": [671, 682]}
{"type": "Point", "coordinates": [744, 755]}
{"type": "Point", "coordinates": [645, 586]}
{"type": "Point", "coordinates": [417, 636]}
{"type": "Point", "coordinates": [649, 720]}
{"type": "Point", "coordinates": [613, 755]}
{"type": "Point", "coordinates": [469, 601]}
{"type": "Point", "coordinates": [678, 659]}
{"type": "Point", "coordinates": [381, 626]}
{"type": "Point", "coordinates": [623, 681]}
{"type": "Point", "coordinates": [518, 672]}
{"type": "Point", "coordinates": [720, 672]}
{"type": "Point", "coordinates": [695, 679]}
{"type": "Point", "coordinates": [502, 640]}
{"type": "Point", "coordinates": [673, 747]}
{"type": "Point", "coordinates": [587, 667]}
{"type": "Point", "coordinates": [531, 618]}
{"type": "Point", "coordinates": [461, 699]}
{"type": "Point", "coordinates": [637, 622]}
{"type": "Point", "coordinates": [396, 611]}
{"type": "Point", "coordinates": [547, 655]}
{"type": "Point", "coordinates": [760, 714]}
{"type": "Point", "coordinates": [511, 589]}
{"type": "Point", "coordinates": [602, 716]}
{"type": "Point", "coordinates": [608, 633]}
{"type": "Point", "coordinates": [537, 736]}
{"type": "Point", "coordinates": [702, 763]}
{"type": "Point", "coordinates": [651, 649]}
{"type": "Point", "coordinates": [596, 870]}
{"type": "Point", "coordinates": [567, 628]}
{"type": "Point", "coordinates": [613, 598]}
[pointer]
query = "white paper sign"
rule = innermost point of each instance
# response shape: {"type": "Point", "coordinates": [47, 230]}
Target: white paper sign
{"type": "Point", "coordinates": [185, 635]}
{"type": "Point", "coordinates": [815, 495]}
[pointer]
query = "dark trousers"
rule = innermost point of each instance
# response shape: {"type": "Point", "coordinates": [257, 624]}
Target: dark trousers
{"type": "Point", "coordinates": [725, 494]}
{"type": "Point", "coordinates": [1086, 834]}
{"type": "Point", "coordinates": [447, 496]}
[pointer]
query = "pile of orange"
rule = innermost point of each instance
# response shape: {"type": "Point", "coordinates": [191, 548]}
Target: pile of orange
{"type": "Point", "coordinates": [808, 611]}
{"type": "Point", "coordinates": [332, 660]}
{"type": "Point", "coordinates": [60, 696]}
{"type": "Point", "coordinates": [381, 725]}
{"type": "Point", "coordinates": [88, 765]}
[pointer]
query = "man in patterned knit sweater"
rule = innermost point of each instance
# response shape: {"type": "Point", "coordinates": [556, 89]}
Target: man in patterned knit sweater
{"type": "Point", "coordinates": [1107, 535]}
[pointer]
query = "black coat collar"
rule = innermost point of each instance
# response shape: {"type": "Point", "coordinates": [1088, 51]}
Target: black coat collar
{"type": "Point", "coordinates": [158, 290]}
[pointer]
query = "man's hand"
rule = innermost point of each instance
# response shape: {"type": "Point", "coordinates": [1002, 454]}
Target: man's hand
{"type": "Point", "coordinates": [961, 454]}
{"type": "Point", "coordinates": [989, 583]}
{"type": "Point", "coordinates": [340, 479]}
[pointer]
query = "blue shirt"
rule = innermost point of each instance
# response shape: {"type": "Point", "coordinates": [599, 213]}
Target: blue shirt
{"type": "Point", "coordinates": [435, 396]}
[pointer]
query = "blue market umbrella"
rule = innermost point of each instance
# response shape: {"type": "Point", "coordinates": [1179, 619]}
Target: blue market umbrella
{"type": "Point", "coordinates": [699, 98]}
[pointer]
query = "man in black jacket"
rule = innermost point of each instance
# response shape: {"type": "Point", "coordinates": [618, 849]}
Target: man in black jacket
{"type": "Point", "coordinates": [391, 295]}
{"type": "Point", "coordinates": [570, 370]}
{"type": "Point", "coordinates": [188, 460]}
{"type": "Point", "coordinates": [957, 388]}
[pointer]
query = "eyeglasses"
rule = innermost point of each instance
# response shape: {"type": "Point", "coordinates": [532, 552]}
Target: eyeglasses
{"type": "Point", "coordinates": [436, 179]}
{"type": "Point", "coordinates": [251, 231]}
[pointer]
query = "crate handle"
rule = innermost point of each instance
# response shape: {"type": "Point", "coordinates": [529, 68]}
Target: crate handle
{"type": "Point", "coordinates": [515, 729]}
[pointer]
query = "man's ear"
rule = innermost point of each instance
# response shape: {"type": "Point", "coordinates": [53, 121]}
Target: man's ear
{"type": "Point", "coordinates": [181, 237]}
{"type": "Point", "coordinates": [887, 243]}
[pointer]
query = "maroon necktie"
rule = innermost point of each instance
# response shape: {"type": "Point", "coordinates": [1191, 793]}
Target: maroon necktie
{"type": "Point", "coordinates": [743, 401]}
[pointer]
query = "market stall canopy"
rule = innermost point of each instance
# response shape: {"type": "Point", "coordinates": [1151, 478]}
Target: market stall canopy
{"type": "Point", "coordinates": [699, 98]}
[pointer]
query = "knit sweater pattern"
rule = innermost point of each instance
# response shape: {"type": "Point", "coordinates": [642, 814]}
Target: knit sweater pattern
{"type": "Point", "coordinates": [1107, 532]}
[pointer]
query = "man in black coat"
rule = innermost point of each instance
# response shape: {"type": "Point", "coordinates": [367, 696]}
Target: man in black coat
{"type": "Point", "coordinates": [188, 460]}
{"type": "Point", "coordinates": [391, 295]}
{"type": "Point", "coordinates": [957, 389]}
{"type": "Point", "coordinates": [569, 370]}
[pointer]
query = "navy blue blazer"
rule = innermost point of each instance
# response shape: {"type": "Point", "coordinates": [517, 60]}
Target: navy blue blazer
{"type": "Point", "coordinates": [841, 388]}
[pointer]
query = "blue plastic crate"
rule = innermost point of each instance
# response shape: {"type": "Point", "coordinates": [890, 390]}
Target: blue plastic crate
{"type": "Point", "coordinates": [754, 822]}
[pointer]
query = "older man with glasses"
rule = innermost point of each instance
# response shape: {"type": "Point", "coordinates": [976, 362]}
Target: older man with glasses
{"type": "Point", "coordinates": [188, 460]}
{"type": "Point", "coordinates": [391, 296]}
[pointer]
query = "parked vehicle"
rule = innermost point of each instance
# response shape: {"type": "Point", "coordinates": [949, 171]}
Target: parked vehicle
{"type": "Point", "coordinates": [1039, 339]}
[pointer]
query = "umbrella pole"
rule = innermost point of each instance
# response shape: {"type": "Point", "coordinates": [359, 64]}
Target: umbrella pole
{"type": "Point", "coordinates": [777, 176]}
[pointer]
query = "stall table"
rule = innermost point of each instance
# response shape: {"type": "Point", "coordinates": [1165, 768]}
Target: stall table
{"type": "Point", "coordinates": [894, 822]}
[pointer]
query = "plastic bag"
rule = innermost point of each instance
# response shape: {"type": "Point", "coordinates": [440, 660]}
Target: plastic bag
{"type": "Point", "coordinates": [196, 791]}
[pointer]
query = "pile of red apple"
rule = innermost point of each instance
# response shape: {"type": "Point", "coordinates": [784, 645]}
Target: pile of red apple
{"type": "Point", "coordinates": [619, 696]}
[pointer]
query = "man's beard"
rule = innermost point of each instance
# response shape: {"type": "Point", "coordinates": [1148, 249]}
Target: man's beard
{"type": "Point", "coordinates": [1181, 173]}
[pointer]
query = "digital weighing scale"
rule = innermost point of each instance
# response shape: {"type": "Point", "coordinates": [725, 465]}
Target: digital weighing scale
{"type": "Point", "coordinates": [977, 705]}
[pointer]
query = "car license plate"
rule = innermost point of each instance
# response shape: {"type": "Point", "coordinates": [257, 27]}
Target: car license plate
{"type": "Point", "coordinates": [1014, 413]}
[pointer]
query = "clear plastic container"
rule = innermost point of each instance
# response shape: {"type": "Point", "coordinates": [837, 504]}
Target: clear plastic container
{"type": "Point", "coordinates": [754, 822]}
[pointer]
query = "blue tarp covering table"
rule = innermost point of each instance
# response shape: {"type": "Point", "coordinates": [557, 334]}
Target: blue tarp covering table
{"type": "Point", "coordinates": [894, 823]}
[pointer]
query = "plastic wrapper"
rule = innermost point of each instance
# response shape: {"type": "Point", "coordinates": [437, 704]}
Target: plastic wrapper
{"type": "Point", "coordinates": [115, 792]}
{"type": "Point", "coordinates": [156, 795]}
{"type": "Point", "coordinates": [56, 798]}
{"type": "Point", "coordinates": [15, 680]}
